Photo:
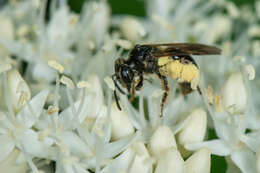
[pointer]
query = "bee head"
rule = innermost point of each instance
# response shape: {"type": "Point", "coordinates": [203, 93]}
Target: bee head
{"type": "Point", "coordinates": [124, 74]}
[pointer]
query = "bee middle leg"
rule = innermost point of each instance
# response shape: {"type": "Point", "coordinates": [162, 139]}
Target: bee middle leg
{"type": "Point", "coordinates": [166, 89]}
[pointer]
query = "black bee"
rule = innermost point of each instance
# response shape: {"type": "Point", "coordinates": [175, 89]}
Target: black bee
{"type": "Point", "coordinates": [173, 59]}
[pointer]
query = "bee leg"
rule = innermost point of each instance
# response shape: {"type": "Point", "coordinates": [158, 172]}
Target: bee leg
{"type": "Point", "coordinates": [198, 88]}
{"type": "Point", "coordinates": [166, 91]}
{"type": "Point", "coordinates": [132, 92]}
{"type": "Point", "coordinates": [139, 83]}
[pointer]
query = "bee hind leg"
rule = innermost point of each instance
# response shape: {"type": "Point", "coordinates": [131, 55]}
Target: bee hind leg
{"type": "Point", "coordinates": [166, 89]}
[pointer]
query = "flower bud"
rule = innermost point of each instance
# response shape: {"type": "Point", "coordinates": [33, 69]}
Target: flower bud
{"type": "Point", "coordinates": [18, 89]}
{"type": "Point", "coordinates": [199, 162]}
{"type": "Point", "coordinates": [234, 93]}
{"type": "Point", "coordinates": [170, 161]}
{"type": "Point", "coordinates": [161, 140]}
{"type": "Point", "coordinates": [193, 131]}
{"type": "Point", "coordinates": [132, 29]}
{"type": "Point", "coordinates": [121, 124]}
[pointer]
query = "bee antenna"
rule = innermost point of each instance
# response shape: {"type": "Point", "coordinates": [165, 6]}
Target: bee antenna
{"type": "Point", "coordinates": [115, 95]}
{"type": "Point", "coordinates": [117, 103]}
{"type": "Point", "coordinates": [117, 86]}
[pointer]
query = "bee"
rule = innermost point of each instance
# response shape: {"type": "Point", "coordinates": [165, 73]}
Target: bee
{"type": "Point", "coordinates": [172, 59]}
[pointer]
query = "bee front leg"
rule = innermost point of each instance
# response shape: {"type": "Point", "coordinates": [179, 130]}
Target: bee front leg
{"type": "Point", "coordinates": [139, 83]}
{"type": "Point", "coordinates": [132, 92]}
{"type": "Point", "coordinates": [166, 89]}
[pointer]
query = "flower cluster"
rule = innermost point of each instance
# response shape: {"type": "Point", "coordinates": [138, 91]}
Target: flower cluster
{"type": "Point", "coordinates": [57, 111]}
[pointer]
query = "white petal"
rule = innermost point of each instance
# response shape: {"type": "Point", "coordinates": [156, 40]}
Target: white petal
{"type": "Point", "coordinates": [224, 129]}
{"type": "Point", "coordinates": [98, 100]}
{"type": "Point", "coordinates": [27, 116]}
{"type": "Point", "coordinates": [217, 147]}
{"type": "Point", "coordinates": [252, 143]}
{"type": "Point", "coordinates": [75, 144]}
{"type": "Point", "coordinates": [122, 162]}
{"type": "Point", "coordinates": [10, 165]}
{"type": "Point", "coordinates": [253, 121]}
{"type": "Point", "coordinates": [7, 146]}
{"type": "Point", "coordinates": [42, 72]}
{"type": "Point", "coordinates": [199, 162]}
{"type": "Point", "coordinates": [5, 123]}
{"type": "Point", "coordinates": [83, 108]}
{"type": "Point", "coordinates": [142, 161]}
{"type": "Point", "coordinates": [121, 124]}
{"type": "Point", "coordinates": [114, 148]}
{"type": "Point", "coordinates": [245, 160]}
{"type": "Point", "coordinates": [170, 161]}
{"type": "Point", "coordinates": [60, 26]}
{"type": "Point", "coordinates": [161, 140]}
{"type": "Point", "coordinates": [98, 23]}
{"type": "Point", "coordinates": [30, 143]}
{"type": "Point", "coordinates": [231, 167]}
{"type": "Point", "coordinates": [80, 169]}
{"type": "Point", "coordinates": [180, 125]}
{"type": "Point", "coordinates": [195, 129]}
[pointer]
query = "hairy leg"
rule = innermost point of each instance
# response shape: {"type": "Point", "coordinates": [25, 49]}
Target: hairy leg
{"type": "Point", "coordinates": [166, 89]}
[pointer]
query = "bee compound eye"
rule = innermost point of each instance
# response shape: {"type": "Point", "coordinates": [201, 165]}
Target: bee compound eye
{"type": "Point", "coordinates": [127, 75]}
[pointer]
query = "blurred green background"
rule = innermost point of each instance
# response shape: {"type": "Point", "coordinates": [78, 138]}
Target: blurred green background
{"type": "Point", "coordinates": [134, 7]}
{"type": "Point", "coordinates": [137, 8]}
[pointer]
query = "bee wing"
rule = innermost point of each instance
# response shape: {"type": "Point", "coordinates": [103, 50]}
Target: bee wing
{"type": "Point", "coordinates": [183, 49]}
